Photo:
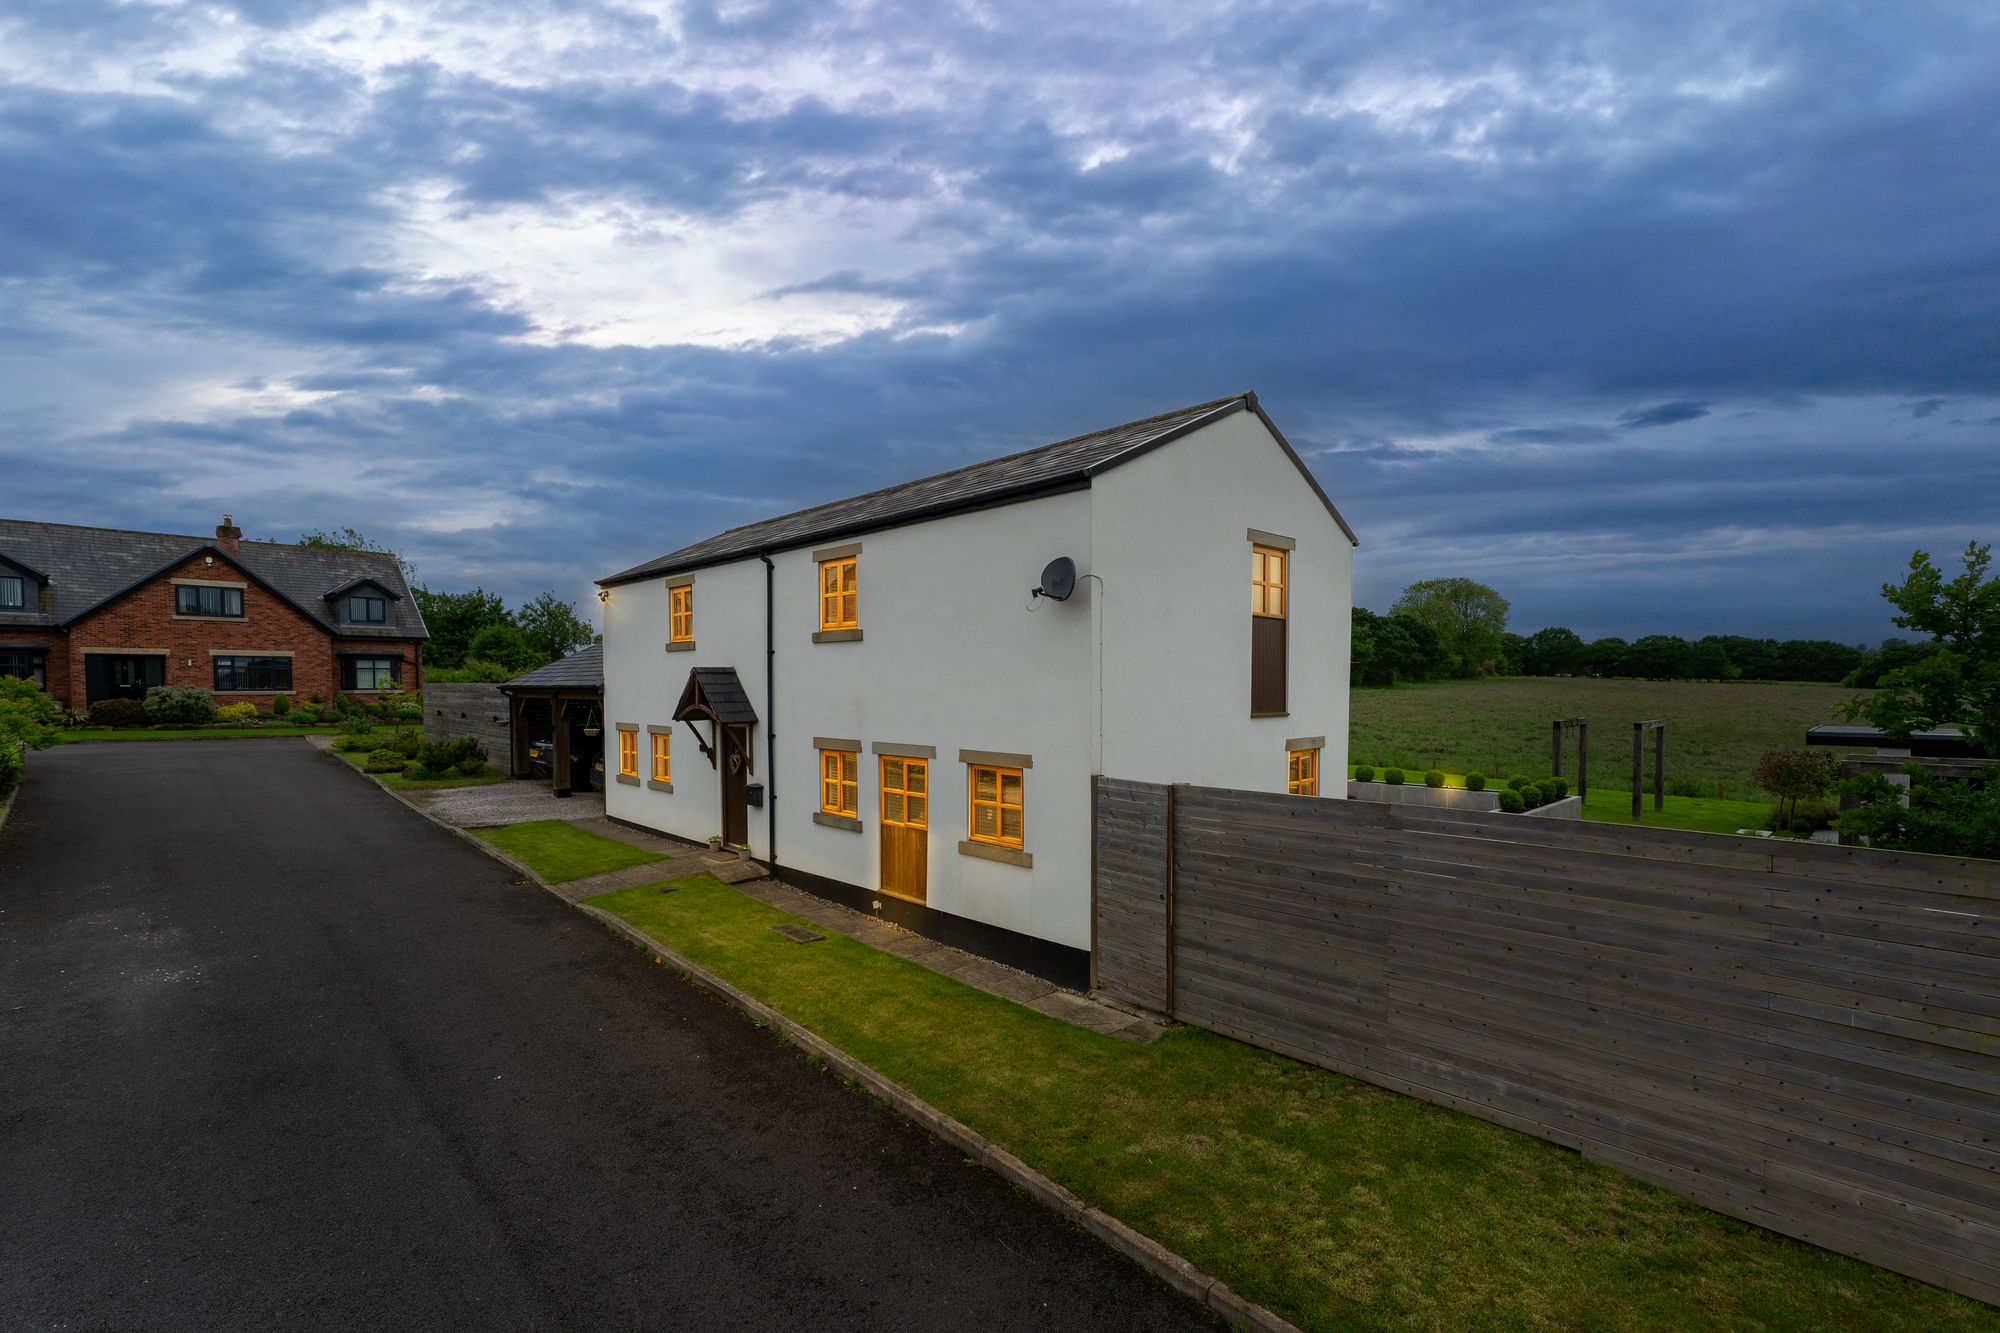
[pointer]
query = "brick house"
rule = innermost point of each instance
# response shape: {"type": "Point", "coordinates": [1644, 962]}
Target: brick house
{"type": "Point", "coordinates": [100, 613]}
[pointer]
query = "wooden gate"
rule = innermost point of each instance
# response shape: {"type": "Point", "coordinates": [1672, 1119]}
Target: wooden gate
{"type": "Point", "coordinates": [1129, 929]}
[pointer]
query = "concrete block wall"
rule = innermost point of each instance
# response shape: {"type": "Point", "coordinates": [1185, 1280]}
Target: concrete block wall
{"type": "Point", "coordinates": [469, 709]}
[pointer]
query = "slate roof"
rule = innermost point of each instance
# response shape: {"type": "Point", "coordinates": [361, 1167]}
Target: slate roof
{"type": "Point", "coordinates": [1064, 465]}
{"type": "Point", "coordinates": [719, 688]}
{"type": "Point", "coordinates": [581, 670]}
{"type": "Point", "coordinates": [87, 567]}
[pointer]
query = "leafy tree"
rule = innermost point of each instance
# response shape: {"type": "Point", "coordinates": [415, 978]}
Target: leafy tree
{"type": "Point", "coordinates": [1708, 661]}
{"type": "Point", "coordinates": [1960, 681]}
{"type": "Point", "coordinates": [1607, 657]}
{"type": "Point", "coordinates": [1945, 816]}
{"type": "Point", "coordinates": [28, 716]}
{"type": "Point", "coordinates": [506, 644]}
{"type": "Point", "coordinates": [552, 626]}
{"type": "Point", "coordinates": [1554, 651]}
{"type": "Point", "coordinates": [1893, 653]}
{"type": "Point", "coordinates": [1795, 775]}
{"type": "Point", "coordinates": [1661, 657]}
{"type": "Point", "coordinates": [1513, 651]}
{"type": "Point", "coordinates": [454, 618]}
{"type": "Point", "coordinates": [1468, 619]}
{"type": "Point", "coordinates": [347, 539]}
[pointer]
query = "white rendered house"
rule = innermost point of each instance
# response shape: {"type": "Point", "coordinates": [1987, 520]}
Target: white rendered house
{"type": "Point", "coordinates": [869, 695]}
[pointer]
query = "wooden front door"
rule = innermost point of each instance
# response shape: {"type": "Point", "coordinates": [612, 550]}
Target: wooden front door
{"type": "Point", "coordinates": [734, 761]}
{"type": "Point", "coordinates": [906, 822]}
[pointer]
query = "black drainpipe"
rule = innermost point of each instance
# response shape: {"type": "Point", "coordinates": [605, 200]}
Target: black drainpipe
{"type": "Point", "coordinates": [770, 714]}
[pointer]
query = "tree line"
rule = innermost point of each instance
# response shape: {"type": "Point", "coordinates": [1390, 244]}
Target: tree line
{"type": "Point", "coordinates": [1455, 628]}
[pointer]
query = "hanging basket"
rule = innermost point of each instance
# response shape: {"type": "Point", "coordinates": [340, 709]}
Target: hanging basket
{"type": "Point", "coordinates": [592, 731]}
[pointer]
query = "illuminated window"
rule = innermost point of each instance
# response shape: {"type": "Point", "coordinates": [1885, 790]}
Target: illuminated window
{"type": "Point", "coordinates": [663, 768]}
{"type": "Point", "coordinates": [628, 753]}
{"type": "Point", "coordinates": [906, 792]}
{"type": "Point", "coordinates": [996, 805]}
{"type": "Point", "coordinates": [1302, 776]}
{"type": "Point", "coordinates": [680, 614]}
{"type": "Point", "coordinates": [839, 783]}
{"type": "Point", "coordinates": [1267, 582]}
{"type": "Point", "coordinates": [838, 605]}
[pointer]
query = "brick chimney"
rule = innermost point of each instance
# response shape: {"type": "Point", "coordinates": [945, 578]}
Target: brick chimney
{"type": "Point", "coordinates": [228, 536]}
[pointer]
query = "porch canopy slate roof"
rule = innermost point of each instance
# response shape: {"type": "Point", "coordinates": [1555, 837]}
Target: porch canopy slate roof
{"type": "Point", "coordinates": [1049, 469]}
{"type": "Point", "coordinates": [87, 567]}
{"type": "Point", "coordinates": [582, 670]}
{"type": "Point", "coordinates": [715, 692]}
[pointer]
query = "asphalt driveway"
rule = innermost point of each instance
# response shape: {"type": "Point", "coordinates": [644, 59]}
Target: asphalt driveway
{"type": "Point", "coordinates": [274, 1051]}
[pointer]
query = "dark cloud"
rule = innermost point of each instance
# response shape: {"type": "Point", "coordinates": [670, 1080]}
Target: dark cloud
{"type": "Point", "coordinates": [1665, 414]}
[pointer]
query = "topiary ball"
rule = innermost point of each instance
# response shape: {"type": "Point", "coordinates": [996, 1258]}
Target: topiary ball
{"type": "Point", "coordinates": [1394, 777]}
{"type": "Point", "coordinates": [1363, 773]}
{"type": "Point", "coordinates": [1475, 782]}
{"type": "Point", "coordinates": [1434, 778]}
{"type": "Point", "coordinates": [1510, 801]}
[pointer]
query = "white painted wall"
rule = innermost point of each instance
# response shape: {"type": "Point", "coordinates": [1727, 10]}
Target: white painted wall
{"type": "Point", "coordinates": [1171, 547]}
{"type": "Point", "coordinates": [954, 655]}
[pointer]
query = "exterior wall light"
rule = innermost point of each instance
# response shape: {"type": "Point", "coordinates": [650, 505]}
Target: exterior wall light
{"type": "Point", "coordinates": [604, 594]}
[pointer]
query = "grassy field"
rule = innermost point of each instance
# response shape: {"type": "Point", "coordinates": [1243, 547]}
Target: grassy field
{"type": "Point", "coordinates": [558, 851]}
{"type": "Point", "coordinates": [1337, 1204]}
{"type": "Point", "coordinates": [191, 734]}
{"type": "Point", "coordinates": [1715, 731]}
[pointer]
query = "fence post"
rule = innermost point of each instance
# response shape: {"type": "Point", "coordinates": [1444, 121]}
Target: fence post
{"type": "Point", "coordinates": [1171, 789]}
{"type": "Point", "coordinates": [1660, 767]}
{"type": "Point", "coordinates": [1638, 771]}
{"type": "Point", "coordinates": [1582, 760]}
{"type": "Point", "coordinates": [1556, 750]}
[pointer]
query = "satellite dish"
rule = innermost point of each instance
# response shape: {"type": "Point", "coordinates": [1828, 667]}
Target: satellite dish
{"type": "Point", "coordinates": [1058, 579]}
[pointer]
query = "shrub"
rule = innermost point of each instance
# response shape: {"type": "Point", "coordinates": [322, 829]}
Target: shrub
{"type": "Point", "coordinates": [1549, 793]}
{"type": "Point", "coordinates": [407, 743]}
{"type": "Point", "coordinates": [1802, 828]}
{"type": "Point", "coordinates": [1559, 787]}
{"type": "Point", "coordinates": [1530, 794]}
{"type": "Point", "coordinates": [180, 703]}
{"type": "Point", "coordinates": [1510, 801]}
{"type": "Point", "coordinates": [1796, 775]}
{"type": "Point", "coordinates": [280, 705]}
{"type": "Point", "coordinates": [1394, 777]}
{"type": "Point", "coordinates": [355, 724]}
{"type": "Point", "coordinates": [1518, 781]}
{"type": "Point", "coordinates": [1434, 779]}
{"type": "Point", "coordinates": [384, 761]}
{"type": "Point", "coordinates": [1475, 782]}
{"type": "Point", "coordinates": [27, 715]}
{"type": "Point", "coordinates": [12, 768]}
{"type": "Point", "coordinates": [243, 712]}
{"type": "Point", "coordinates": [359, 742]}
{"type": "Point", "coordinates": [118, 713]}
{"type": "Point", "coordinates": [461, 754]}
{"type": "Point", "coordinates": [1363, 773]}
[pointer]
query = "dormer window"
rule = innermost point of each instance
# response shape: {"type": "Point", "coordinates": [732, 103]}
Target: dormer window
{"type": "Point", "coordinates": [367, 609]}
{"type": "Point", "coordinates": [13, 592]}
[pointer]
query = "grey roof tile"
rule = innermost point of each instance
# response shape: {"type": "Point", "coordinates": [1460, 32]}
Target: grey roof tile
{"type": "Point", "coordinates": [581, 670]}
{"type": "Point", "coordinates": [87, 566]}
{"type": "Point", "coordinates": [1072, 461]}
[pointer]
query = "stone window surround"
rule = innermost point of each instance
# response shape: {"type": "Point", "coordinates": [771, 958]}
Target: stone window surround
{"type": "Point", "coordinates": [851, 550]}
{"type": "Point", "coordinates": [677, 581]}
{"type": "Point", "coordinates": [986, 851]}
{"type": "Point", "coordinates": [629, 779]}
{"type": "Point", "coordinates": [655, 784]}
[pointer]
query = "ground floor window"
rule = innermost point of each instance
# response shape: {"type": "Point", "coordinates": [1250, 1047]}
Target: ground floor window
{"type": "Point", "coordinates": [628, 753]}
{"type": "Point", "coordinates": [663, 767]}
{"type": "Point", "coordinates": [1302, 772]}
{"type": "Point", "coordinates": [252, 674]}
{"type": "Point", "coordinates": [368, 673]}
{"type": "Point", "coordinates": [996, 815]}
{"type": "Point", "coordinates": [27, 663]}
{"type": "Point", "coordinates": [839, 783]}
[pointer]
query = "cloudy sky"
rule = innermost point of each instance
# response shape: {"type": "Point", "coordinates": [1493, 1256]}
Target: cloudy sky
{"type": "Point", "coordinates": [1674, 318]}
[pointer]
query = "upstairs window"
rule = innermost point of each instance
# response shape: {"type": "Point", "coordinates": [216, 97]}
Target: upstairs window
{"type": "Point", "coordinates": [839, 606]}
{"type": "Point", "coordinates": [367, 609]}
{"type": "Point", "coordinates": [1302, 772]}
{"type": "Point", "coordinates": [192, 599]}
{"type": "Point", "coordinates": [839, 783]}
{"type": "Point", "coordinates": [996, 801]}
{"type": "Point", "coordinates": [13, 592]}
{"type": "Point", "coordinates": [680, 614]}
{"type": "Point", "coordinates": [1267, 582]}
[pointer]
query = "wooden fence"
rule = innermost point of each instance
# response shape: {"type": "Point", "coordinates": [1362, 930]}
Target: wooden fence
{"type": "Point", "coordinates": [1800, 1035]}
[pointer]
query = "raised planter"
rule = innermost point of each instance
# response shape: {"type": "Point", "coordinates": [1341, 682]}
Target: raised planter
{"type": "Point", "coordinates": [1569, 807]}
{"type": "Point", "coordinates": [1416, 793]}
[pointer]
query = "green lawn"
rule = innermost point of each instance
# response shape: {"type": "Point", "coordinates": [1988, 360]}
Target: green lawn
{"type": "Point", "coordinates": [1715, 731]}
{"type": "Point", "coordinates": [191, 734]}
{"type": "Point", "coordinates": [558, 850]}
{"type": "Point", "coordinates": [1614, 806]}
{"type": "Point", "coordinates": [1337, 1204]}
{"type": "Point", "coordinates": [408, 782]}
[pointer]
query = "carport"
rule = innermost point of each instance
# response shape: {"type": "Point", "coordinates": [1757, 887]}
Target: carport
{"type": "Point", "coordinates": [563, 699]}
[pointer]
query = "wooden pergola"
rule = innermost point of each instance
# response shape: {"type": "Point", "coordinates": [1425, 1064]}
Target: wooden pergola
{"type": "Point", "coordinates": [572, 690]}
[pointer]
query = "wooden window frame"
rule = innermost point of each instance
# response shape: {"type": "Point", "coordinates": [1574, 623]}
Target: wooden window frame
{"type": "Point", "coordinates": [840, 780]}
{"type": "Point", "coordinates": [998, 805]}
{"type": "Point", "coordinates": [628, 753]}
{"type": "Point", "coordinates": [908, 764]}
{"type": "Point", "coordinates": [1302, 772]}
{"type": "Point", "coordinates": [680, 614]}
{"type": "Point", "coordinates": [663, 756]}
{"type": "Point", "coordinates": [1263, 590]}
{"type": "Point", "coordinates": [844, 588]}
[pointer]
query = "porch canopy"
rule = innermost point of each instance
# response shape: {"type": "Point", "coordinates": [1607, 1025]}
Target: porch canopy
{"type": "Point", "coordinates": [717, 696]}
{"type": "Point", "coordinates": [548, 703]}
